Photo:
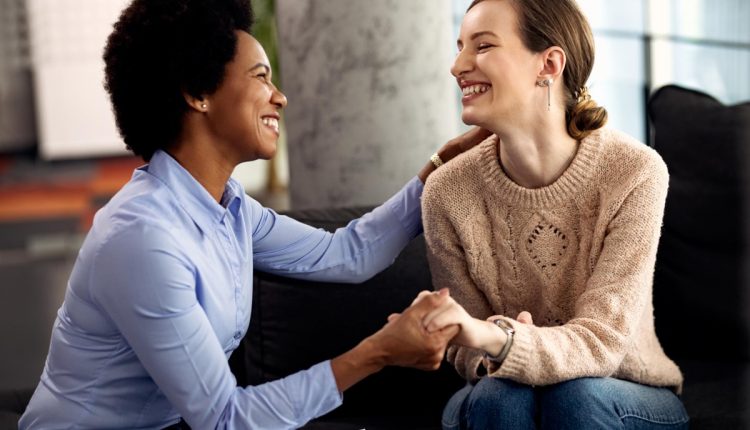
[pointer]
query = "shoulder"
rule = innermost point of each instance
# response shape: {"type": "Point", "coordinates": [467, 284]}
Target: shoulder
{"type": "Point", "coordinates": [459, 180]}
{"type": "Point", "coordinates": [143, 215]}
{"type": "Point", "coordinates": [625, 160]}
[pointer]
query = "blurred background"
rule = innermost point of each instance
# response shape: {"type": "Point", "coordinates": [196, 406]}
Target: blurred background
{"type": "Point", "coordinates": [370, 98]}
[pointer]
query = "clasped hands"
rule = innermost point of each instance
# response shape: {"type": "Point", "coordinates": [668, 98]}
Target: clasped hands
{"type": "Point", "coordinates": [419, 336]}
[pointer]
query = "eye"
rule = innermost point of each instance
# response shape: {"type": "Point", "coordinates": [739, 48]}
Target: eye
{"type": "Point", "coordinates": [262, 76]}
{"type": "Point", "coordinates": [483, 46]}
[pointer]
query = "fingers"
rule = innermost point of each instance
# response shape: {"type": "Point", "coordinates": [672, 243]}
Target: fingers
{"type": "Point", "coordinates": [451, 315]}
{"type": "Point", "coordinates": [473, 137]}
{"type": "Point", "coordinates": [430, 317]}
{"type": "Point", "coordinates": [425, 293]}
{"type": "Point", "coordinates": [420, 296]}
{"type": "Point", "coordinates": [427, 302]}
{"type": "Point", "coordinates": [449, 332]}
{"type": "Point", "coordinates": [525, 317]}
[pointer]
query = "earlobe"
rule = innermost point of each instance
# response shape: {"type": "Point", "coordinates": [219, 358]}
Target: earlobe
{"type": "Point", "coordinates": [198, 103]}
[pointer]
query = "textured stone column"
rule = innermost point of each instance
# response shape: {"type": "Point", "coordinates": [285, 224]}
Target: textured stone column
{"type": "Point", "coordinates": [370, 94]}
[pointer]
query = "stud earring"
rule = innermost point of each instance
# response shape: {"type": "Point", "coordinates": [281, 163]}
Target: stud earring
{"type": "Point", "coordinates": [547, 83]}
{"type": "Point", "coordinates": [203, 106]}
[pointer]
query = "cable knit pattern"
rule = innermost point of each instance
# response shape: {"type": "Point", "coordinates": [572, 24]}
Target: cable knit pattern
{"type": "Point", "coordinates": [578, 254]}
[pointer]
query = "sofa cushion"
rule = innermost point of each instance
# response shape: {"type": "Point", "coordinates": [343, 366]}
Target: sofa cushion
{"type": "Point", "coordinates": [717, 394]}
{"type": "Point", "coordinates": [701, 292]}
{"type": "Point", "coordinates": [296, 324]}
{"type": "Point", "coordinates": [12, 405]}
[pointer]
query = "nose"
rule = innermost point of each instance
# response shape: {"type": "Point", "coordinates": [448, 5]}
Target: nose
{"type": "Point", "coordinates": [462, 64]}
{"type": "Point", "coordinates": [278, 98]}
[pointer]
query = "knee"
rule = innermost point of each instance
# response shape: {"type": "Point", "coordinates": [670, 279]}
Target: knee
{"type": "Point", "coordinates": [584, 389]}
{"type": "Point", "coordinates": [575, 402]}
{"type": "Point", "coordinates": [489, 393]}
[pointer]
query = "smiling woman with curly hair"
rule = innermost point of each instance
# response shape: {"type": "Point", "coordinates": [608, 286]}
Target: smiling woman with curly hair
{"type": "Point", "coordinates": [160, 51]}
{"type": "Point", "coordinates": [161, 292]}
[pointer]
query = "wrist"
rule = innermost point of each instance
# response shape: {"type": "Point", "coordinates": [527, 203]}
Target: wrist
{"type": "Point", "coordinates": [425, 172]}
{"type": "Point", "coordinates": [509, 331]}
{"type": "Point", "coordinates": [356, 364]}
{"type": "Point", "coordinates": [495, 339]}
{"type": "Point", "coordinates": [372, 354]}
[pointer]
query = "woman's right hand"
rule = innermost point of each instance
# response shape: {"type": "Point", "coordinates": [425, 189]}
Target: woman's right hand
{"type": "Point", "coordinates": [404, 340]}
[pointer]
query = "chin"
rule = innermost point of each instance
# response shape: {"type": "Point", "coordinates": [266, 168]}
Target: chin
{"type": "Point", "coordinates": [469, 119]}
{"type": "Point", "coordinates": [267, 154]}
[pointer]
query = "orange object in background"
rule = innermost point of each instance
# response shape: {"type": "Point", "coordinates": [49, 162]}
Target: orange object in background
{"type": "Point", "coordinates": [69, 193]}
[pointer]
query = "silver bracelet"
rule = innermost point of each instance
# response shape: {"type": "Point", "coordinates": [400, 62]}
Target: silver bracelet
{"type": "Point", "coordinates": [509, 331]}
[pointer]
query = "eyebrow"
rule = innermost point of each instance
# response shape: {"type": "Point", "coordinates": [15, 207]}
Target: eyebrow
{"type": "Point", "coordinates": [476, 35]}
{"type": "Point", "coordinates": [263, 65]}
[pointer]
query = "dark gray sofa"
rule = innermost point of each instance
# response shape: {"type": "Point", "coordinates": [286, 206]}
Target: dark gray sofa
{"type": "Point", "coordinates": [702, 279]}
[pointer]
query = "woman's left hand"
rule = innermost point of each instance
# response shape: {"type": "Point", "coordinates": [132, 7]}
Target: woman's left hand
{"type": "Point", "coordinates": [474, 333]}
{"type": "Point", "coordinates": [454, 147]}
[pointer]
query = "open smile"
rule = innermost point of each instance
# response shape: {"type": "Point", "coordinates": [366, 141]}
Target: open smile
{"type": "Point", "coordinates": [272, 122]}
{"type": "Point", "coordinates": [473, 90]}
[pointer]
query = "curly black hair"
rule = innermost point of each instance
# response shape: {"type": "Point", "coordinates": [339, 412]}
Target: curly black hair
{"type": "Point", "coordinates": [160, 49]}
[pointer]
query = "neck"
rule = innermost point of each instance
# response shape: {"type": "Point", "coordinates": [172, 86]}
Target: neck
{"type": "Point", "coordinates": [200, 155]}
{"type": "Point", "coordinates": [535, 157]}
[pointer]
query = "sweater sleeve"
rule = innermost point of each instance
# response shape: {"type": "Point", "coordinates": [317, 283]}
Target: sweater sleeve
{"type": "Point", "coordinates": [449, 269]}
{"type": "Point", "coordinates": [607, 314]}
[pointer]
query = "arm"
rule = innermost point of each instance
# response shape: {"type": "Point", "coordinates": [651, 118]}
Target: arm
{"type": "Point", "coordinates": [358, 251]}
{"type": "Point", "coordinates": [595, 340]}
{"type": "Point", "coordinates": [147, 288]}
{"type": "Point", "coordinates": [353, 253]}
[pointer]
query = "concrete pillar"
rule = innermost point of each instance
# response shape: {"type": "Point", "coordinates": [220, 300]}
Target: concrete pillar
{"type": "Point", "coordinates": [370, 94]}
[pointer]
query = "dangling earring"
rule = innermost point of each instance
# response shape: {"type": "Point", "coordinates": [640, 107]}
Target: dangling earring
{"type": "Point", "coordinates": [547, 83]}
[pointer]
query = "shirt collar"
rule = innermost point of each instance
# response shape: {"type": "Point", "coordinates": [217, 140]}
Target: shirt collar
{"type": "Point", "coordinates": [193, 197]}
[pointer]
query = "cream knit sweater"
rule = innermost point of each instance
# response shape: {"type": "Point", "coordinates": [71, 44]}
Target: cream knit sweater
{"type": "Point", "coordinates": [578, 254]}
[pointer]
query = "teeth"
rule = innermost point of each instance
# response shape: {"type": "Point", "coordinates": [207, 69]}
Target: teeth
{"type": "Point", "coordinates": [474, 89]}
{"type": "Point", "coordinates": [271, 122]}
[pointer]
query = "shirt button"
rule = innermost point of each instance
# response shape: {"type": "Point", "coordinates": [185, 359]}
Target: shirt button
{"type": "Point", "coordinates": [237, 335]}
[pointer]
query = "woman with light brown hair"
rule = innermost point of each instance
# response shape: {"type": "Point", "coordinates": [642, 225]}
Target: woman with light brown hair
{"type": "Point", "coordinates": [553, 217]}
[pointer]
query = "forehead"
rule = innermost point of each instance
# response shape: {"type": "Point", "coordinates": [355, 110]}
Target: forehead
{"type": "Point", "coordinates": [249, 49]}
{"type": "Point", "coordinates": [497, 16]}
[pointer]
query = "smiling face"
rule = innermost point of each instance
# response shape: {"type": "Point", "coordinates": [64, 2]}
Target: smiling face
{"type": "Point", "coordinates": [243, 112]}
{"type": "Point", "coordinates": [496, 72]}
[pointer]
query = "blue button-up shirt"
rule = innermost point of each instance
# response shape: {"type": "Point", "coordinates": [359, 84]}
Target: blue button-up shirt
{"type": "Point", "coordinates": [161, 294]}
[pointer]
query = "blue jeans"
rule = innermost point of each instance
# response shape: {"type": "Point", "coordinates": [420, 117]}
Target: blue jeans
{"type": "Point", "coordinates": [586, 403]}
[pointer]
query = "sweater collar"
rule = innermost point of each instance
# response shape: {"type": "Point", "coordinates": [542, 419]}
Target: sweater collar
{"type": "Point", "coordinates": [564, 189]}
